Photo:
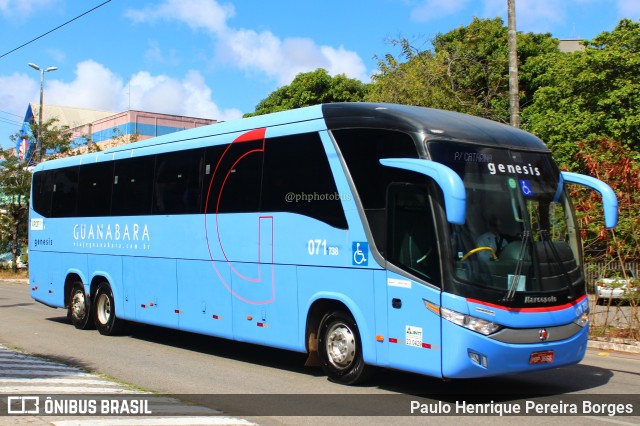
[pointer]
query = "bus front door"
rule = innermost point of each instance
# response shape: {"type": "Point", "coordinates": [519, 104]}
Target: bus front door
{"type": "Point", "coordinates": [413, 281]}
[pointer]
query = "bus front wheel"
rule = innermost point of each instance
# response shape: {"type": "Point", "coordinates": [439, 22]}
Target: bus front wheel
{"type": "Point", "coordinates": [79, 310]}
{"type": "Point", "coordinates": [340, 349]}
{"type": "Point", "coordinates": [105, 311]}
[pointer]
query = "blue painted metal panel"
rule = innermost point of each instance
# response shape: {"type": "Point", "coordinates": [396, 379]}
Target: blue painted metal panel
{"type": "Point", "coordinates": [505, 358]}
{"type": "Point", "coordinates": [45, 286]}
{"type": "Point", "coordinates": [203, 300]}
{"type": "Point", "coordinates": [155, 289]}
{"type": "Point", "coordinates": [502, 358]}
{"type": "Point", "coordinates": [266, 305]}
{"type": "Point", "coordinates": [381, 309]}
{"type": "Point", "coordinates": [414, 331]}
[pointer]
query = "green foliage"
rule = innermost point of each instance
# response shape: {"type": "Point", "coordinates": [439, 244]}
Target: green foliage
{"type": "Point", "coordinates": [312, 88]}
{"type": "Point", "coordinates": [613, 163]}
{"type": "Point", "coordinates": [15, 185]}
{"type": "Point", "coordinates": [587, 96]}
{"type": "Point", "coordinates": [476, 58]}
{"type": "Point", "coordinates": [467, 71]}
{"type": "Point", "coordinates": [55, 140]}
{"type": "Point", "coordinates": [420, 80]}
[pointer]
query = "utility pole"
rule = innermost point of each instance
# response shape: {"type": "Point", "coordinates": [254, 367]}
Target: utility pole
{"type": "Point", "coordinates": [514, 97]}
{"type": "Point", "coordinates": [39, 142]}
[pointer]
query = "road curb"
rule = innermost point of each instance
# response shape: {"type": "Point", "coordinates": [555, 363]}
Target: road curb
{"type": "Point", "coordinates": [614, 346]}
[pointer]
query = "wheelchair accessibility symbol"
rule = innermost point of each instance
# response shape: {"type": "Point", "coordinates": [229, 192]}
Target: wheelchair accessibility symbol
{"type": "Point", "coordinates": [360, 252]}
{"type": "Point", "coordinates": [525, 188]}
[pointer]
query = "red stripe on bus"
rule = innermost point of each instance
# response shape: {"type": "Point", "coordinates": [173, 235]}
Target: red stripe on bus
{"type": "Point", "coordinates": [536, 309]}
{"type": "Point", "coordinates": [252, 135]}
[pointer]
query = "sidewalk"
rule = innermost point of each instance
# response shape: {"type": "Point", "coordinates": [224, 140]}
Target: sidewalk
{"type": "Point", "coordinates": [620, 345]}
{"type": "Point", "coordinates": [36, 391]}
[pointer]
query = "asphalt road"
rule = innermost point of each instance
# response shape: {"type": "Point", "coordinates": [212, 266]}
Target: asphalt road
{"type": "Point", "coordinates": [256, 380]}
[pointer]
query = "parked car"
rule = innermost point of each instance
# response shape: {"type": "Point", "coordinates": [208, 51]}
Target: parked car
{"type": "Point", "coordinates": [615, 284]}
{"type": "Point", "coordinates": [6, 261]}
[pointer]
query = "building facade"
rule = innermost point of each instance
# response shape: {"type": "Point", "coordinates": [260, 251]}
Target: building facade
{"type": "Point", "coordinates": [103, 128]}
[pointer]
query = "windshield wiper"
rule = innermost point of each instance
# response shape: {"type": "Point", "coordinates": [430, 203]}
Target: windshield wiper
{"type": "Point", "coordinates": [546, 238]}
{"type": "Point", "coordinates": [511, 292]}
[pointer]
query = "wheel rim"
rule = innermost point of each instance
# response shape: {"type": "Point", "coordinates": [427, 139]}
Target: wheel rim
{"type": "Point", "coordinates": [103, 309]}
{"type": "Point", "coordinates": [78, 305]}
{"type": "Point", "coordinates": [340, 346]}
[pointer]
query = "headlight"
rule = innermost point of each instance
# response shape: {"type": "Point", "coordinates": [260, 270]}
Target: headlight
{"type": "Point", "coordinates": [472, 323]}
{"type": "Point", "coordinates": [583, 319]}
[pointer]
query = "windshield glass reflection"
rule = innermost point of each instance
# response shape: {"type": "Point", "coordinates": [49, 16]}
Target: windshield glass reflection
{"type": "Point", "coordinates": [519, 235]}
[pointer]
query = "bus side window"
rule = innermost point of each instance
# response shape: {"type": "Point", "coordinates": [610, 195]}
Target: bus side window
{"type": "Point", "coordinates": [43, 192]}
{"type": "Point", "coordinates": [362, 150]}
{"type": "Point", "coordinates": [94, 192]}
{"type": "Point", "coordinates": [297, 166]}
{"type": "Point", "coordinates": [412, 242]}
{"type": "Point", "coordinates": [178, 180]}
{"type": "Point", "coordinates": [132, 183]}
{"type": "Point", "coordinates": [232, 178]}
{"type": "Point", "coordinates": [65, 192]}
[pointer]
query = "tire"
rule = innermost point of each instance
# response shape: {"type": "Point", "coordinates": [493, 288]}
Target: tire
{"type": "Point", "coordinates": [105, 311]}
{"type": "Point", "coordinates": [79, 311]}
{"type": "Point", "coordinates": [340, 350]}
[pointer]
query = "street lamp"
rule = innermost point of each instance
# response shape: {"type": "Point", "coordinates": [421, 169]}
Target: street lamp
{"type": "Point", "coordinates": [39, 144]}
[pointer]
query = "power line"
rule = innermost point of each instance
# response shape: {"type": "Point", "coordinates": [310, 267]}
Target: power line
{"type": "Point", "coordinates": [10, 113]}
{"type": "Point", "coordinates": [56, 28]}
{"type": "Point", "coordinates": [8, 121]}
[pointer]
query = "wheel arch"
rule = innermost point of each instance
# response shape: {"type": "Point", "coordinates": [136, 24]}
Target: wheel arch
{"type": "Point", "coordinates": [73, 276]}
{"type": "Point", "coordinates": [99, 278]}
{"type": "Point", "coordinates": [324, 303]}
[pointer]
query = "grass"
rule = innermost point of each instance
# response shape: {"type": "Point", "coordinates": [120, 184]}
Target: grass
{"type": "Point", "coordinates": [613, 332]}
{"type": "Point", "coordinates": [8, 274]}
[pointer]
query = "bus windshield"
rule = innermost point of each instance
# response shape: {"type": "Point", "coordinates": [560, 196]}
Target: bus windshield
{"type": "Point", "coordinates": [519, 235]}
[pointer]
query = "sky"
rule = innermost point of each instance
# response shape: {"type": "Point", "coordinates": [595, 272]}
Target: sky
{"type": "Point", "coordinates": [218, 58]}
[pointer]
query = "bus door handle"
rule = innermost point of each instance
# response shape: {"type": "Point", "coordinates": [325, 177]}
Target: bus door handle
{"type": "Point", "coordinates": [396, 303]}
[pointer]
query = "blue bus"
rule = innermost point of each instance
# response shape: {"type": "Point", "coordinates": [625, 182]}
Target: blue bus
{"type": "Point", "coordinates": [362, 234]}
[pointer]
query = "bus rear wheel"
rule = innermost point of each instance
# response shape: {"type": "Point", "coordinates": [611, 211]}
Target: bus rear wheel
{"type": "Point", "coordinates": [79, 310]}
{"type": "Point", "coordinates": [340, 350]}
{"type": "Point", "coordinates": [105, 311]}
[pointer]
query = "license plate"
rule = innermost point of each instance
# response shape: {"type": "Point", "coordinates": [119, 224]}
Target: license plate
{"type": "Point", "coordinates": [541, 357]}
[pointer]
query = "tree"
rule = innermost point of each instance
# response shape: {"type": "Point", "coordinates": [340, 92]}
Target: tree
{"type": "Point", "coordinates": [418, 80]}
{"type": "Point", "coordinates": [15, 185]}
{"type": "Point", "coordinates": [56, 140]}
{"type": "Point", "coordinates": [312, 88]}
{"type": "Point", "coordinates": [589, 96]}
{"type": "Point", "coordinates": [467, 70]}
{"type": "Point", "coordinates": [613, 163]}
{"type": "Point", "coordinates": [514, 95]}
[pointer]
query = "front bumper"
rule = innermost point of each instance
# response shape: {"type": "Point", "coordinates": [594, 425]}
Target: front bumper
{"type": "Point", "coordinates": [467, 354]}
